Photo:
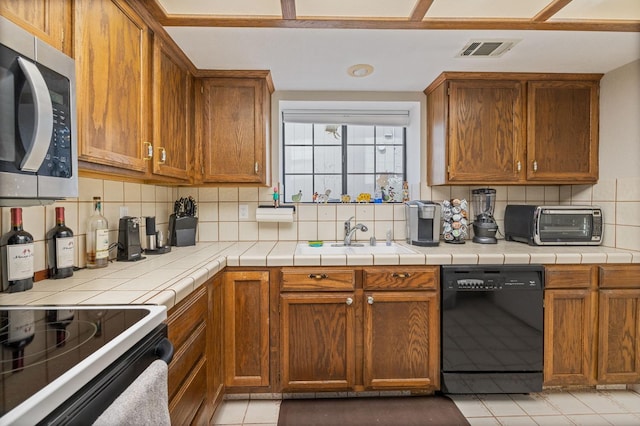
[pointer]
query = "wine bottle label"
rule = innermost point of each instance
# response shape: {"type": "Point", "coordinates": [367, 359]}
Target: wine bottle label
{"type": "Point", "coordinates": [102, 243]}
{"type": "Point", "coordinates": [20, 261]}
{"type": "Point", "coordinates": [64, 252]}
{"type": "Point", "coordinates": [21, 325]}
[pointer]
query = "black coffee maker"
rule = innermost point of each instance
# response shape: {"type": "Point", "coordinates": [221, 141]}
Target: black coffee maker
{"type": "Point", "coordinates": [129, 248]}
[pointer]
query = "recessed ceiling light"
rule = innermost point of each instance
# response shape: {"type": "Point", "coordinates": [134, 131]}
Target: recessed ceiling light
{"type": "Point", "coordinates": [360, 70]}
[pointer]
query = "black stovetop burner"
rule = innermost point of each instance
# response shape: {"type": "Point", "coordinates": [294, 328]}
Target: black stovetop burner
{"type": "Point", "coordinates": [41, 344]}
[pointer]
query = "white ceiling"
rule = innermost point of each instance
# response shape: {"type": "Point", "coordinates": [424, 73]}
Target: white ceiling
{"type": "Point", "coordinates": [403, 59]}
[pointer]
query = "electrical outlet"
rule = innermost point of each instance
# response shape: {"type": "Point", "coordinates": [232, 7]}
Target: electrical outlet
{"type": "Point", "coordinates": [243, 211]}
{"type": "Point", "coordinates": [124, 211]}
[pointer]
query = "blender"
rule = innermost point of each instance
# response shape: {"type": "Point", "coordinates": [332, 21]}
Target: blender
{"type": "Point", "coordinates": [484, 225]}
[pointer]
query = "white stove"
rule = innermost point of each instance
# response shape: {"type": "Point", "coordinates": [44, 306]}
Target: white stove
{"type": "Point", "coordinates": [50, 353]}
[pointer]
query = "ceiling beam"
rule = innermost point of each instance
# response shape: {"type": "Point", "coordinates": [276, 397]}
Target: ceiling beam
{"type": "Point", "coordinates": [552, 8]}
{"type": "Point", "coordinates": [288, 9]}
{"type": "Point", "coordinates": [420, 10]}
{"type": "Point", "coordinates": [401, 24]}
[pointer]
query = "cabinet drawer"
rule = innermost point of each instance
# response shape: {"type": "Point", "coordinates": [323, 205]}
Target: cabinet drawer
{"type": "Point", "coordinates": [620, 276]}
{"type": "Point", "coordinates": [401, 278]}
{"type": "Point", "coordinates": [185, 360]}
{"type": "Point", "coordinates": [570, 276]}
{"type": "Point", "coordinates": [186, 317]}
{"type": "Point", "coordinates": [317, 279]}
{"type": "Point", "coordinates": [184, 407]}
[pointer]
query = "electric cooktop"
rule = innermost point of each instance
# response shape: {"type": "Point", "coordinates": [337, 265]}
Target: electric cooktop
{"type": "Point", "coordinates": [49, 352]}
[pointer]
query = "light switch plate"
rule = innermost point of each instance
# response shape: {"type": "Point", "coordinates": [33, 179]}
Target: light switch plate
{"type": "Point", "coordinates": [124, 211]}
{"type": "Point", "coordinates": [243, 211]}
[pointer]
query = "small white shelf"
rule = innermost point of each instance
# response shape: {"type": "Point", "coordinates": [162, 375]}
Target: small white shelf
{"type": "Point", "coordinates": [273, 214]}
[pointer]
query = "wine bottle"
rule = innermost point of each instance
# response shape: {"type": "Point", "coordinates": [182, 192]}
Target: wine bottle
{"type": "Point", "coordinates": [97, 237]}
{"type": "Point", "coordinates": [17, 252]}
{"type": "Point", "coordinates": [60, 248]}
{"type": "Point", "coordinates": [18, 329]}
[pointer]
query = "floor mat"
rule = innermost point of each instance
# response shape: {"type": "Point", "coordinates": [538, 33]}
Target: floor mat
{"type": "Point", "coordinates": [383, 411]}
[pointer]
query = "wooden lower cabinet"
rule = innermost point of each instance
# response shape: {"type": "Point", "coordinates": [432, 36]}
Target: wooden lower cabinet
{"type": "Point", "coordinates": [401, 340]}
{"type": "Point", "coordinates": [383, 334]}
{"type": "Point", "coordinates": [246, 328]}
{"type": "Point", "coordinates": [570, 325]}
{"type": "Point", "coordinates": [619, 324]}
{"type": "Point", "coordinates": [317, 341]}
{"type": "Point", "coordinates": [570, 340]}
{"type": "Point", "coordinates": [187, 331]}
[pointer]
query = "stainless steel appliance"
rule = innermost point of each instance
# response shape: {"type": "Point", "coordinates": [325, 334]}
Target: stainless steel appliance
{"type": "Point", "coordinates": [38, 152]}
{"type": "Point", "coordinates": [484, 225]}
{"type": "Point", "coordinates": [492, 328]}
{"type": "Point", "coordinates": [67, 364]}
{"type": "Point", "coordinates": [554, 225]}
{"type": "Point", "coordinates": [423, 222]}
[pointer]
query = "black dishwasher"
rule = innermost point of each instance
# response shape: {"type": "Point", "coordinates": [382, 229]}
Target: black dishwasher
{"type": "Point", "coordinates": [492, 328]}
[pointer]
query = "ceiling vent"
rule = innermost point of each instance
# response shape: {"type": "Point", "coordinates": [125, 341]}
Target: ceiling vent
{"type": "Point", "coordinates": [486, 48]}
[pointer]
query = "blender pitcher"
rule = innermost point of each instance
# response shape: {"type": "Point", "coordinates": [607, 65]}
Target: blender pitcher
{"type": "Point", "coordinates": [484, 225]}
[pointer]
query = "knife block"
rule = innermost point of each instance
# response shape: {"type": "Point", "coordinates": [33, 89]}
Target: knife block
{"type": "Point", "coordinates": [182, 230]}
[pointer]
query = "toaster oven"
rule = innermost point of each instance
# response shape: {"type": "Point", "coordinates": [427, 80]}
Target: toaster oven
{"type": "Point", "coordinates": [553, 225]}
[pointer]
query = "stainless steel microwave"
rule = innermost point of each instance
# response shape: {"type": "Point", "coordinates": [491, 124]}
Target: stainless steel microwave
{"type": "Point", "coordinates": [38, 150]}
{"type": "Point", "coordinates": [553, 225]}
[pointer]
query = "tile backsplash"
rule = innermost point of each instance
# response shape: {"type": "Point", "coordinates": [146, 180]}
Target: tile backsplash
{"type": "Point", "coordinates": [219, 219]}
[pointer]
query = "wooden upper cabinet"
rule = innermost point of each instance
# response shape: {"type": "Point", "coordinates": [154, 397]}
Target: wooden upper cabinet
{"type": "Point", "coordinates": [172, 106]}
{"type": "Point", "coordinates": [512, 128]}
{"type": "Point", "coordinates": [485, 131]}
{"type": "Point", "coordinates": [112, 67]}
{"type": "Point", "coordinates": [234, 116]}
{"type": "Point", "coordinates": [562, 142]}
{"type": "Point", "coordinates": [49, 20]}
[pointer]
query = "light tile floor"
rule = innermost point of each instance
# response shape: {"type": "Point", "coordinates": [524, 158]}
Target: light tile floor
{"type": "Point", "coordinates": [552, 408]}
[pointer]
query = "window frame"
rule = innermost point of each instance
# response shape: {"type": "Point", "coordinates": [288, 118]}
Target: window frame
{"type": "Point", "coordinates": [344, 154]}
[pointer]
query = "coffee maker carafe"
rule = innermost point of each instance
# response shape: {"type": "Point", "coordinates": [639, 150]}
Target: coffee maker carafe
{"type": "Point", "coordinates": [423, 223]}
{"type": "Point", "coordinates": [484, 225]}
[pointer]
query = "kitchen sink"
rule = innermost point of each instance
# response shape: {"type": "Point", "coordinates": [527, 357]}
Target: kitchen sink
{"type": "Point", "coordinates": [355, 248]}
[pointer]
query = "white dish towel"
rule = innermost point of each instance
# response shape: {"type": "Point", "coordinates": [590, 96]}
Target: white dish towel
{"type": "Point", "coordinates": [144, 402]}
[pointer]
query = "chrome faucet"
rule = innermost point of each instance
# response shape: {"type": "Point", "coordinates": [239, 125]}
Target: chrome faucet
{"type": "Point", "coordinates": [348, 230]}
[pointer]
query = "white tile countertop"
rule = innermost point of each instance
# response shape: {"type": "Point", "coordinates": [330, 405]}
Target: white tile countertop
{"type": "Point", "coordinates": [168, 278]}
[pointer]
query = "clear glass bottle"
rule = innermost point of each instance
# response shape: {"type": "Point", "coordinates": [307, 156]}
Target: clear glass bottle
{"type": "Point", "coordinates": [97, 237]}
{"type": "Point", "coordinates": [18, 254]}
{"type": "Point", "coordinates": [60, 248]}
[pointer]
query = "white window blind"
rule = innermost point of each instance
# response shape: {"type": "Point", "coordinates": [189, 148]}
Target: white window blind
{"type": "Point", "coordinates": [395, 118]}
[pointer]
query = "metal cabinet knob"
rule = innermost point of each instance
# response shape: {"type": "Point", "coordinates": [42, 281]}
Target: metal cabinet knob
{"type": "Point", "coordinates": [349, 301]}
{"type": "Point", "coordinates": [535, 166]}
{"type": "Point", "coordinates": [370, 300]}
{"type": "Point", "coordinates": [401, 275]}
{"type": "Point", "coordinates": [519, 166]}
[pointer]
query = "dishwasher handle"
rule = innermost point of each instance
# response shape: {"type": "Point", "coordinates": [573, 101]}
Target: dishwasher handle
{"type": "Point", "coordinates": [164, 350]}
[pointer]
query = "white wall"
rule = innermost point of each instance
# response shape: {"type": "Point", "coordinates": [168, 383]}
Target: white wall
{"type": "Point", "coordinates": [620, 122]}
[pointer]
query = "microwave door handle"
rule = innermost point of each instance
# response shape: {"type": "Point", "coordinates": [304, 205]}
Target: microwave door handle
{"type": "Point", "coordinates": [43, 120]}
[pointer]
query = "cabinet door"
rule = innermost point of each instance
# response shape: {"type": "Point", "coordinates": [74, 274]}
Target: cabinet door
{"type": "Point", "coordinates": [235, 128]}
{"type": "Point", "coordinates": [401, 340]}
{"type": "Point", "coordinates": [187, 327]}
{"type": "Point", "coordinates": [486, 131]}
{"type": "Point", "coordinates": [569, 333]}
{"type": "Point", "coordinates": [562, 136]}
{"type": "Point", "coordinates": [317, 335]}
{"type": "Point", "coordinates": [172, 107]}
{"type": "Point", "coordinates": [49, 20]}
{"type": "Point", "coordinates": [112, 64]}
{"type": "Point", "coordinates": [246, 328]}
{"type": "Point", "coordinates": [619, 331]}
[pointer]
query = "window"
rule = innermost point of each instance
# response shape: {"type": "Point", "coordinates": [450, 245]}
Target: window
{"type": "Point", "coordinates": [344, 159]}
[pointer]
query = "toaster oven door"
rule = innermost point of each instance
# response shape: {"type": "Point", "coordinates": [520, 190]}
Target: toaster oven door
{"type": "Point", "coordinates": [570, 227]}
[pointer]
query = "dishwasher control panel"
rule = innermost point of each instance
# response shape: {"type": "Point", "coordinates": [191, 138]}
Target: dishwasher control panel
{"type": "Point", "coordinates": [492, 278]}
